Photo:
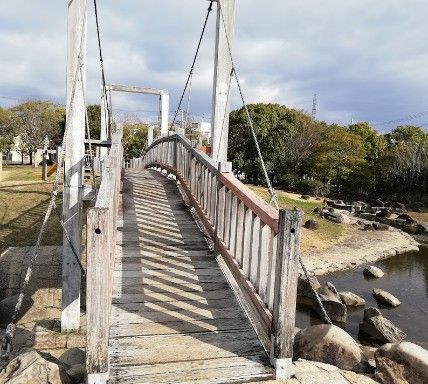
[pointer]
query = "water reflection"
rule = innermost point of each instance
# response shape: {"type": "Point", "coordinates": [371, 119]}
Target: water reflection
{"type": "Point", "coordinates": [406, 277]}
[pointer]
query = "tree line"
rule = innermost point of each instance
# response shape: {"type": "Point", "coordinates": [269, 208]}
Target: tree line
{"type": "Point", "coordinates": [313, 157]}
{"type": "Point", "coordinates": [34, 124]}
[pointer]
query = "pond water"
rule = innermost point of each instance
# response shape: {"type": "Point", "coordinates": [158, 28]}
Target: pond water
{"type": "Point", "coordinates": [406, 277]}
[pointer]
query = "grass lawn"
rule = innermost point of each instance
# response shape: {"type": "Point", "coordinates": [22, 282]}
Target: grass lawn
{"type": "Point", "coordinates": [328, 232]}
{"type": "Point", "coordinates": [23, 203]}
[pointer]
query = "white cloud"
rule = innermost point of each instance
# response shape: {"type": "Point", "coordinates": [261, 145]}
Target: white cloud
{"type": "Point", "coordinates": [364, 59]}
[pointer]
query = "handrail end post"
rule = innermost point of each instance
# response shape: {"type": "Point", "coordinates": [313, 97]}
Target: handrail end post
{"type": "Point", "coordinates": [98, 378]}
{"type": "Point", "coordinates": [283, 366]}
{"type": "Point", "coordinates": [285, 291]}
{"type": "Point", "coordinates": [225, 167]}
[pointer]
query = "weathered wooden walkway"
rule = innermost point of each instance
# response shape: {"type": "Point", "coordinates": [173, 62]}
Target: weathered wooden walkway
{"type": "Point", "coordinates": [175, 318]}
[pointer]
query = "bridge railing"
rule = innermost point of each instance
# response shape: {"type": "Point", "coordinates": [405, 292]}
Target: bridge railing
{"type": "Point", "coordinates": [101, 249]}
{"type": "Point", "coordinates": [259, 245]}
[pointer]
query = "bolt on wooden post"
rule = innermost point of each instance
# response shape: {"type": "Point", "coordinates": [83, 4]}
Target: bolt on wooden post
{"type": "Point", "coordinates": [284, 307]}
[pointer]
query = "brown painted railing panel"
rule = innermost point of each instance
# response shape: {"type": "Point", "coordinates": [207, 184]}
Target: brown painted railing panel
{"type": "Point", "coordinates": [101, 251]}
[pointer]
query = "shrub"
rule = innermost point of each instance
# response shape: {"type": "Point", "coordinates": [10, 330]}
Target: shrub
{"type": "Point", "coordinates": [311, 187]}
{"type": "Point", "coordinates": [288, 181]}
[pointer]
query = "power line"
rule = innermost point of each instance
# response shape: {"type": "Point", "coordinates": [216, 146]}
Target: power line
{"type": "Point", "coordinates": [404, 119]}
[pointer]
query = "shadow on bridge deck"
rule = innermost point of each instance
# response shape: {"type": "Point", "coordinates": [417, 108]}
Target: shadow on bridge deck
{"type": "Point", "coordinates": [175, 318]}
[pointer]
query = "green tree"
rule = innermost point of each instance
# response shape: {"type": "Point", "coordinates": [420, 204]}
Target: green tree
{"type": "Point", "coordinates": [406, 162]}
{"type": "Point", "coordinates": [287, 138]}
{"type": "Point", "coordinates": [340, 153]}
{"type": "Point", "coordinates": [38, 122]}
{"type": "Point", "coordinates": [94, 120]}
{"type": "Point", "coordinates": [7, 129]}
{"type": "Point", "coordinates": [134, 139]}
{"type": "Point", "coordinates": [374, 143]}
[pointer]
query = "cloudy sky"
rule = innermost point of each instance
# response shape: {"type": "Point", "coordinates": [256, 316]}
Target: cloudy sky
{"type": "Point", "coordinates": [365, 60]}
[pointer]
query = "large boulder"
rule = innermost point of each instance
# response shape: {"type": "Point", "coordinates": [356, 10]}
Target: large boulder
{"type": "Point", "coordinates": [332, 303]}
{"type": "Point", "coordinates": [304, 288]}
{"type": "Point", "coordinates": [380, 227]}
{"type": "Point", "coordinates": [372, 271]}
{"type": "Point", "coordinates": [329, 344]}
{"type": "Point", "coordinates": [337, 217]}
{"type": "Point", "coordinates": [73, 356]}
{"type": "Point", "coordinates": [350, 299]}
{"type": "Point", "coordinates": [381, 329]}
{"type": "Point", "coordinates": [407, 218]}
{"type": "Point", "coordinates": [371, 312]}
{"type": "Point", "coordinates": [35, 368]}
{"type": "Point", "coordinates": [403, 363]}
{"type": "Point", "coordinates": [77, 373]}
{"type": "Point", "coordinates": [311, 224]}
{"type": "Point", "coordinates": [384, 213]}
{"type": "Point", "coordinates": [7, 307]}
{"type": "Point", "coordinates": [385, 297]}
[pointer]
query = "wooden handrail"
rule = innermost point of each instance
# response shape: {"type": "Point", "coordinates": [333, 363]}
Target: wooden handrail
{"type": "Point", "coordinates": [101, 251]}
{"type": "Point", "coordinates": [266, 213]}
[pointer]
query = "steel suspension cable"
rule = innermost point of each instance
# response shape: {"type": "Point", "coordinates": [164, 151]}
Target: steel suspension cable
{"type": "Point", "coordinates": [103, 77]}
{"type": "Point", "coordinates": [88, 132]}
{"type": "Point", "coordinates": [271, 190]}
{"type": "Point", "coordinates": [194, 62]}
{"type": "Point", "coordinates": [6, 347]}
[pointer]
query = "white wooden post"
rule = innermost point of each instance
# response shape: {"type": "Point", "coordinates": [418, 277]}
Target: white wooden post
{"type": "Point", "coordinates": [104, 121]}
{"type": "Point", "coordinates": [45, 166]}
{"type": "Point", "coordinates": [73, 163]}
{"type": "Point", "coordinates": [222, 71]}
{"type": "Point", "coordinates": [164, 107]}
{"type": "Point", "coordinates": [150, 135]}
{"type": "Point", "coordinates": [110, 114]}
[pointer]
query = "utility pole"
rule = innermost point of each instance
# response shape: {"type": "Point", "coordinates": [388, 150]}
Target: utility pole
{"type": "Point", "coordinates": [73, 163]}
{"type": "Point", "coordinates": [314, 106]}
{"type": "Point", "coordinates": [222, 73]}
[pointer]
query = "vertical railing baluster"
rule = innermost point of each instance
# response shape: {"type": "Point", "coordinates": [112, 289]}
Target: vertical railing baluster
{"type": "Point", "coordinates": [255, 251]}
{"type": "Point", "coordinates": [227, 218]}
{"type": "Point", "coordinates": [246, 247]}
{"type": "Point", "coordinates": [233, 226]}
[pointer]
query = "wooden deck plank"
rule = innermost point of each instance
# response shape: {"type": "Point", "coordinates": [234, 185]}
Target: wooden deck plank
{"type": "Point", "coordinates": [175, 318]}
{"type": "Point", "coordinates": [210, 371]}
{"type": "Point", "coordinates": [182, 327]}
{"type": "Point", "coordinates": [149, 296]}
{"type": "Point", "coordinates": [172, 348]}
{"type": "Point", "coordinates": [193, 287]}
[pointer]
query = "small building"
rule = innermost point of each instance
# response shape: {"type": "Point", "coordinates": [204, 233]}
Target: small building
{"type": "Point", "coordinates": [204, 128]}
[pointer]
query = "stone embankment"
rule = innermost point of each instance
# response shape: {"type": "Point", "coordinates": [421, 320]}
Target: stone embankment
{"type": "Point", "coordinates": [362, 247]}
{"type": "Point", "coordinates": [379, 235]}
